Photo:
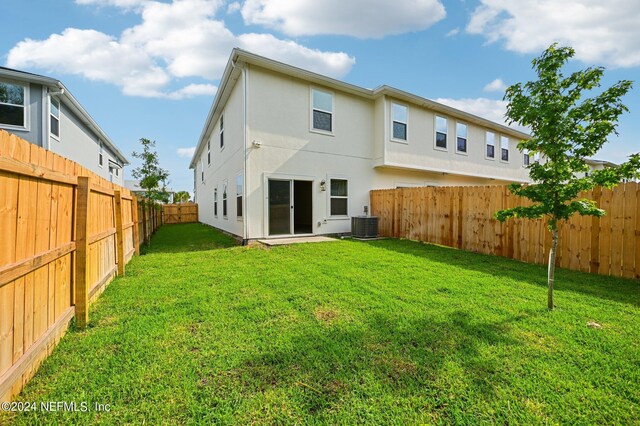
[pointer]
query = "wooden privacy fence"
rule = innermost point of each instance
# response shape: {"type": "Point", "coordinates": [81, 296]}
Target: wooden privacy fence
{"type": "Point", "coordinates": [462, 217]}
{"type": "Point", "coordinates": [64, 233]}
{"type": "Point", "coordinates": [149, 219]}
{"type": "Point", "coordinates": [179, 213]}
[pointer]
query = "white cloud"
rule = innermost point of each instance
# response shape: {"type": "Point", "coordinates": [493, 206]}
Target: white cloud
{"type": "Point", "coordinates": [234, 7]}
{"type": "Point", "coordinates": [600, 32]}
{"type": "Point", "coordinates": [181, 39]}
{"type": "Point", "coordinates": [358, 18]}
{"type": "Point", "coordinates": [496, 85]}
{"type": "Point", "coordinates": [489, 109]}
{"type": "Point", "coordinates": [193, 90]}
{"type": "Point", "coordinates": [453, 32]}
{"type": "Point", "coordinates": [186, 152]}
{"type": "Point", "coordinates": [124, 4]}
{"type": "Point", "coordinates": [334, 64]}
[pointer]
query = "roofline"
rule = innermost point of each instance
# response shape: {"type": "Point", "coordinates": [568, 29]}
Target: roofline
{"type": "Point", "coordinates": [239, 55]}
{"type": "Point", "coordinates": [76, 107]}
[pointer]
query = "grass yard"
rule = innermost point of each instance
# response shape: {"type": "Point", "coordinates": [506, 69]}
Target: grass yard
{"type": "Point", "coordinates": [384, 332]}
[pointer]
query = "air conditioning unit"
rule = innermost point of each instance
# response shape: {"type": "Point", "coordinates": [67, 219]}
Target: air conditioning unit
{"type": "Point", "coordinates": [364, 227]}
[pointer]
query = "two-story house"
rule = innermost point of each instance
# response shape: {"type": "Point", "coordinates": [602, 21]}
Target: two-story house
{"type": "Point", "coordinates": [285, 151]}
{"type": "Point", "coordinates": [42, 111]}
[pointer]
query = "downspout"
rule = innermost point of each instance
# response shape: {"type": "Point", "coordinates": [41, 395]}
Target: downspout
{"type": "Point", "coordinates": [245, 179]}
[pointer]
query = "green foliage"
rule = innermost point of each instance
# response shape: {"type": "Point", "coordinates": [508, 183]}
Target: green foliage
{"type": "Point", "coordinates": [389, 332]}
{"type": "Point", "coordinates": [566, 129]}
{"type": "Point", "coordinates": [153, 179]}
{"type": "Point", "coordinates": [181, 197]}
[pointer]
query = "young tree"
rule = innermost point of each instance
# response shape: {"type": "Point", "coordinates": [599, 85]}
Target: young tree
{"type": "Point", "coordinates": [153, 179]}
{"type": "Point", "coordinates": [181, 197]}
{"type": "Point", "coordinates": [566, 129]}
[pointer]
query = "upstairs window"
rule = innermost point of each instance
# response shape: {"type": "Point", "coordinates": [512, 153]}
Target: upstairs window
{"type": "Point", "coordinates": [339, 197]}
{"type": "Point", "coordinates": [54, 114]}
{"type": "Point", "coordinates": [221, 131]}
{"type": "Point", "coordinates": [239, 186]}
{"type": "Point", "coordinates": [100, 155]}
{"type": "Point", "coordinates": [322, 110]}
{"type": "Point", "coordinates": [490, 139]}
{"type": "Point", "coordinates": [526, 160]}
{"type": "Point", "coordinates": [12, 105]}
{"type": "Point", "coordinates": [209, 152]}
{"type": "Point", "coordinates": [399, 122]}
{"type": "Point", "coordinates": [441, 132]}
{"type": "Point", "coordinates": [504, 148]}
{"type": "Point", "coordinates": [461, 137]}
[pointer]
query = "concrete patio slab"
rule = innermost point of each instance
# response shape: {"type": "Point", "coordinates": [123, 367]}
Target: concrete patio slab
{"type": "Point", "coordinates": [295, 240]}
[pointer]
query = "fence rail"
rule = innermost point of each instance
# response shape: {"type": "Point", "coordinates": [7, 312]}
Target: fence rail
{"type": "Point", "coordinates": [462, 217]}
{"type": "Point", "coordinates": [65, 232]}
{"type": "Point", "coordinates": [179, 213]}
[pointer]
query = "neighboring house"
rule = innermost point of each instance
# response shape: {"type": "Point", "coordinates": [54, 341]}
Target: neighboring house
{"type": "Point", "coordinates": [134, 186]}
{"type": "Point", "coordinates": [285, 151]}
{"type": "Point", "coordinates": [42, 111]}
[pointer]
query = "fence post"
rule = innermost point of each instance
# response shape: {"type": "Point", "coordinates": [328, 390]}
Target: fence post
{"type": "Point", "coordinates": [82, 250]}
{"type": "Point", "coordinates": [136, 230]}
{"type": "Point", "coordinates": [119, 233]}
{"type": "Point", "coordinates": [145, 225]}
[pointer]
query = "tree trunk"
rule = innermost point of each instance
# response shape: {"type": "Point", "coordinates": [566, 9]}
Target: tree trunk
{"type": "Point", "coordinates": [552, 268]}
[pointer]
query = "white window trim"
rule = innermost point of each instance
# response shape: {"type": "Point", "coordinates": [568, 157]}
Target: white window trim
{"type": "Point", "coordinates": [486, 143]}
{"type": "Point", "coordinates": [225, 198]}
{"type": "Point", "coordinates": [329, 197]}
{"type": "Point", "coordinates": [435, 133]}
{"type": "Point", "coordinates": [52, 99]}
{"type": "Point", "coordinates": [100, 154]}
{"type": "Point", "coordinates": [466, 138]}
{"type": "Point", "coordinates": [25, 107]}
{"type": "Point", "coordinates": [508, 150]}
{"type": "Point", "coordinates": [221, 132]}
{"type": "Point", "coordinates": [215, 201]}
{"type": "Point", "coordinates": [240, 195]}
{"type": "Point", "coordinates": [332, 112]}
{"type": "Point", "coordinates": [391, 120]}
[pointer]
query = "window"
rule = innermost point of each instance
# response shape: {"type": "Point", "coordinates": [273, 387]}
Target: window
{"type": "Point", "coordinates": [490, 139]}
{"type": "Point", "coordinates": [461, 137]}
{"type": "Point", "coordinates": [399, 122]}
{"type": "Point", "coordinates": [201, 170]}
{"type": "Point", "coordinates": [441, 132]}
{"type": "Point", "coordinates": [209, 152]}
{"type": "Point", "coordinates": [215, 201]}
{"type": "Point", "coordinates": [13, 105]}
{"type": "Point", "coordinates": [54, 114]}
{"type": "Point", "coordinates": [224, 199]}
{"type": "Point", "coordinates": [339, 197]}
{"type": "Point", "coordinates": [221, 131]}
{"type": "Point", "coordinates": [526, 160]}
{"type": "Point", "coordinates": [239, 185]}
{"type": "Point", "coordinates": [504, 148]}
{"type": "Point", "coordinates": [100, 154]}
{"type": "Point", "coordinates": [322, 111]}
{"type": "Point", "coordinates": [111, 173]}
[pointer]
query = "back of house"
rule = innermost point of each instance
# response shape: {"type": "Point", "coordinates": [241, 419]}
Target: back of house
{"type": "Point", "coordinates": [285, 151]}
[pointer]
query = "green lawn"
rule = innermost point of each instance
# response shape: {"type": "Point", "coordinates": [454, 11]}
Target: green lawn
{"type": "Point", "coordinates": [384, 332]}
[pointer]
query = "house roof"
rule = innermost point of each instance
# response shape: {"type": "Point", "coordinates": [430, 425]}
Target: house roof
{"type": "Point", "coordinates": [232, 73]}
{"type": "Point", "coordinates": [68, 100]}
{"type": "Point", "coordinates": [134, 185]}
{"type": "Point", "coordinates": [594, 162]}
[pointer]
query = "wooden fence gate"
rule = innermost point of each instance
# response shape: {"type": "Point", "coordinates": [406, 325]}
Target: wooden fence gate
{"type": "Point", "coordinates": [179, 213]}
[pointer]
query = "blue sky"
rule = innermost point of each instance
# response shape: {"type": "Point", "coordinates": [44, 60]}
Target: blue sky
{"type": "Point", "coordinates": [150, 68]}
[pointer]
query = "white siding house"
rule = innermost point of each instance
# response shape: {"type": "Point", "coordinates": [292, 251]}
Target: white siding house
{"type": "Point", "coordinates": [285, 151]}
{"type": "Point", "coordinates": [42, 111]}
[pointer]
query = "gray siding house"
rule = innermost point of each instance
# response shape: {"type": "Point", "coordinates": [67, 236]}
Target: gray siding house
{"type": "Point", "coordinates": [42, 111]}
